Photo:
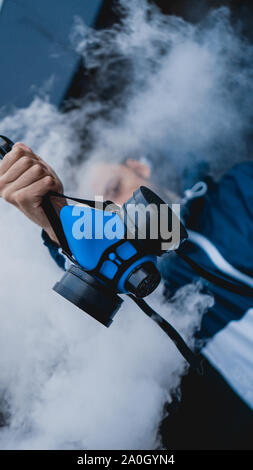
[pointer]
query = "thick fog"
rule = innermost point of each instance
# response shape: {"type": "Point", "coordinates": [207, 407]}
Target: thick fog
{"type": "Point", "coordinates": [171, 92]}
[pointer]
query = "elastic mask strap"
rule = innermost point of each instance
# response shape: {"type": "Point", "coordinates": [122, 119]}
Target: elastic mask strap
{"type": "Point", "coordinates": [223, 282]}
{"type": "Point", "coordinates": [55, 220]}
{"type": "Point", "coordinates": [55, 223]}
{"type": "Point", "coordinates": [103, 206]}
{"type": "Point", "coordinates": [193, 359]}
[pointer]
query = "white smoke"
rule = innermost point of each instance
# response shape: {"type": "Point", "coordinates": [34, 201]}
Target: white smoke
{"type": "Point", "coordinates": [66, 381]}
{"type": "Point", "coordinates": [183, 92]}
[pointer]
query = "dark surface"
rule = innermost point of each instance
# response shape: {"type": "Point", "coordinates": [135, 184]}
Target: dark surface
{"type": "Point", "coordinates": [210, 416]}
{"type": "Point", "coordinates": [190, 10]}
{"type": "Point", "coordinates": [35, 48]}
{"type": "Point", "coordinates": [83, 80]}
{"type": "Point", "coordinates": [36, 53]}
{"type": "Point", "coordinates": [196, 10]}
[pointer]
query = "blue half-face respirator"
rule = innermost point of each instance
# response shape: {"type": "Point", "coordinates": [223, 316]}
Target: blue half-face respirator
{"type": "Point", "coordinates": [110, 258]}
{"type": "Point", "coordinates": [105, 266]}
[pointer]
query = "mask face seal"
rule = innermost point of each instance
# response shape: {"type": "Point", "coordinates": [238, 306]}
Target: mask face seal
{"type": "Point", "coordinates": [152, 212]}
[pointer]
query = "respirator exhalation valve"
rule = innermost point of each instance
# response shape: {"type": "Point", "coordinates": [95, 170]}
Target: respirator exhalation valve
{"type": "Point", "coordinates": [143, 280]}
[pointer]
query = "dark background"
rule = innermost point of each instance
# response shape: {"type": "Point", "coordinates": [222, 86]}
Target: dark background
{"type": "Point", "coordinates": [35, 50]}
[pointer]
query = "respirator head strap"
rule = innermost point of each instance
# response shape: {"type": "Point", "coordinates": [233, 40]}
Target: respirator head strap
{"type": "Point", "coordinates": [103, 206]}
{"type": "Point", "coordinates": [195, 360]}
{"type": "Point", "coordinates": [55, 221]}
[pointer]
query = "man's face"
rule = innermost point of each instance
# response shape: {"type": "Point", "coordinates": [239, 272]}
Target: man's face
{"type": "Point", "coordinates": [118, 182]}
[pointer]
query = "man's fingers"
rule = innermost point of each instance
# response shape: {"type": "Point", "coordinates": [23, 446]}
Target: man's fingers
{"type": "Point", "coordinates": [20, 167]}
{"type": "Point", "coordinates": [16, 153]}
{"type": "Point", "coordinates": [33, 194]}
{"type": "Point", "coordinates": [28, 151]}
{"type": "Point", "coordinates": [24, 180]}
{"type": "Point", "coordinates": [30, 176]}
{"type": "Point", "coordinates": [19, 151]}
{"type": "Point", "coordinates": [16, 170]}
{"type": "Point", "coordinates": [22, 146]}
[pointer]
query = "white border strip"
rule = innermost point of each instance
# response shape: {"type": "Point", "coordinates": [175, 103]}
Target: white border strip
{"type": "Point", "coordinates": [215, 256]}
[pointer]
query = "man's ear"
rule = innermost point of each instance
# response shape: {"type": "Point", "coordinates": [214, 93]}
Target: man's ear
{"type": "Point", "coordinates": [140, 168]}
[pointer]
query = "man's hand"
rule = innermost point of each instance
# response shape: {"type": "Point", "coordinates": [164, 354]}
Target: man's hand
{"type": "Point", "coordinates": [24, 179]}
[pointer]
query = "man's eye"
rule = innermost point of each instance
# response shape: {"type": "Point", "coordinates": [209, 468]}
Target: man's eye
{"type": "Point", "coordinates": [115, 189]}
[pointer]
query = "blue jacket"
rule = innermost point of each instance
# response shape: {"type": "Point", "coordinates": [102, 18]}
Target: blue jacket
{"type": "Point", "coordinates": [221, 227]}
{"type": "Point", "coordinates": [225, 217]}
